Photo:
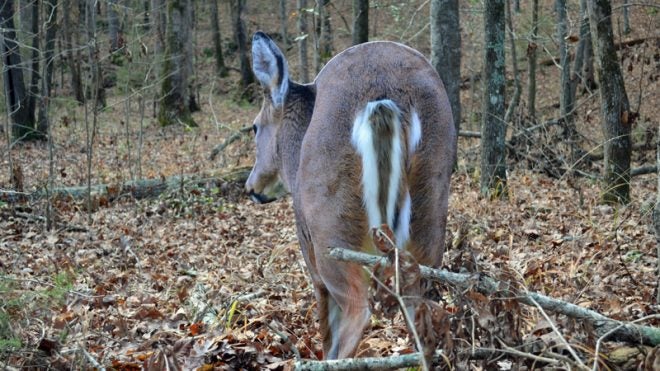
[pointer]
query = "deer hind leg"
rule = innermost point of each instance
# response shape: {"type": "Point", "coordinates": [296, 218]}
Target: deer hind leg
{"type": "Point", "coordinates": [343, 309]}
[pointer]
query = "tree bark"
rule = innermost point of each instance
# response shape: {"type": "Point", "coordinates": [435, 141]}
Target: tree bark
{"type": "Point", "coordinates": [50, 24]}
{"type": "Point", "coordinates": [532, 63]}
{"type": "Point", "coordinates": [96, 88]}
{"type": "Point", "coordinates": [514, 63]}
{"type": "Point", "coordinates": [586, 69]}
{"type": "Point", "coordinates": [72, 53]}
{"type": "Point", "coordinates": [326, 31]}
{"type": "Point", "coordinates": [446, 51]}
{"type": "Point", "coordinates": [220, 67]}
{"type": "Point", "coordinates": [493, 127]}
{"type": "Point", "coordinates": [302, 41]}
{"type": "Point", "coordinates": [113, 25]}
{"type": "Point", "coordinates": [284, 18]}
{"type": "Point", "coordinates": [173, 105]}
{"type": "Point", "coordinates": [360, 21]}
{"type": "Point", "coordinates": [35, 76]}
{"type": "Point", "coordinates": [615, 109]}
{"type": "Point", "coordinates": [189, 56]}
{"type": "Point", "coordinates": [237, 7]}
{"type": "Point", "coordinates": [16, 94]}
{"type": "Point", "coordinates": [566, 88]}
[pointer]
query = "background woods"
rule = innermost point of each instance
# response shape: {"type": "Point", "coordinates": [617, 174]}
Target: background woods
{"type": "Point", "coordinates": [126, 138]}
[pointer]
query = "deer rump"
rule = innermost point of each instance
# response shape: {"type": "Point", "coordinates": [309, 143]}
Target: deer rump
{"type": "Point", "coordinates": [378, 149]}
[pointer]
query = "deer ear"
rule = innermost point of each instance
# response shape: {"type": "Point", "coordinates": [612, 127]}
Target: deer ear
{"type": "Point", "coordinates": [270, 67]}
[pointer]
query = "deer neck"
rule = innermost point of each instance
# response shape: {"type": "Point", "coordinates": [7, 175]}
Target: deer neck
{"type": "Point", "coordinates": [297, 116]}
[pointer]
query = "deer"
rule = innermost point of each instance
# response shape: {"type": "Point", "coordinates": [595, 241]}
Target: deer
{"type": "Point", "coordinates": [370, 141]}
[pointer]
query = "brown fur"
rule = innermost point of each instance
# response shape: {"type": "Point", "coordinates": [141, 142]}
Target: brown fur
{"type": "Point", "coordinates": [309, 146]}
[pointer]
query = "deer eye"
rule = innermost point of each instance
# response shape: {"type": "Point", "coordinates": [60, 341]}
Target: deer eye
{"type": "Point", "coordinates": [254, 128]}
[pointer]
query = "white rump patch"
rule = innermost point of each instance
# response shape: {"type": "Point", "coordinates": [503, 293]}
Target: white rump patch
{"type": "Point", "coordinates": [415, 135]}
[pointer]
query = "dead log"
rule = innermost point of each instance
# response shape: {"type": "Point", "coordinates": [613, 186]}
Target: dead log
{"type": "Point", "coordinates": [602, 325]}
{"type": "Point", "coordinates": [648, 169]}
{"type": "Point", "coordinates": [136, 189]}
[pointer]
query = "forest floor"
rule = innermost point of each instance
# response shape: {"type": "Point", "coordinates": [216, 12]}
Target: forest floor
{"type": "Point", "coordinates": [133, 288]}
{"type": "Point", "coordinates": [202, 277]}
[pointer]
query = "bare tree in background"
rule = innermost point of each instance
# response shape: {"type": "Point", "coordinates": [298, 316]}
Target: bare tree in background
{"type": "Point", "coordinates": [189, 56]}
{"type": "Point", "coordinates": [360, 21]}
{"type": "Point", "coordinates": [493, 127]}
{"type": "Point", "coordinates": [615, 109]}
{"type": "Point", "coordinates": [72, 54]}
{"type": "Point", "coordinates": [284, 18]}
{"type": "Point", "coordinates": [446, 51]}
{"type": "Point", "coordinates": [113, 26]}
{"type": "Point", "coordinates": [237, 8]}
{"type": "Point", "coordinates": [16, 94]}
{"type": "Point", "coordinates": [220, 67]}
{"type": "Point", "coordinates": [50, 24]}
{"type": "Point", "coordinates": [532, 63]}
{"type": "Point", "coordinates": [173, 107]}
{"type": "Point", "coordinates": [584, 55]}
{"type": "Point", "coordinates": [326, 47]}
{"type": "Point", "coordinates": [567, 85]}
{"type": "Point", "coordinates": [302, 41]}
{"type": "Point", "coordinates": [35, 74]}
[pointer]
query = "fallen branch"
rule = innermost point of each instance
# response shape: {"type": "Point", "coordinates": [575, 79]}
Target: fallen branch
{"type": "Point", "coordinates": [601, 324]}
{"type": "Point", "coordinates": [412, 360]}
{"type": "Point", "coordinates": [469, 134]}
{"type": "Point", "coordinates": [137, 189]}
{"type": "Point", "coordinates": [648, 169]}
{"type": "Point", "coordinates": [232, 138]}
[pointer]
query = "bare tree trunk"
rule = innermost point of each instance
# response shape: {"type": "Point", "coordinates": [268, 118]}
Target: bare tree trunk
{"type": "Point", "coordinates": [189, 56]}
{"type": "Point", "coordinates": [173, 108]}
{"type": "Point", "coordinates": [360, 21]}
{"type": "Point", "coordinates": [514, 63]}
{"type": "Point", "coordinates": [34, 63]}
{"type": "Point", "coordinates": [493, 127]}
{"type": "Point", "coordinates": [113, 25]}
{"type": "Point", "coordinates": [220, 67]}
{"type": "Point", "coordinates": [12, 76]}
{"type": "Point", "coordinates": [615, 109]}
{"type": "Point", "coordinates": [241, 40]}
{"type": "Point", "coordinates": [446, 51]}
{"type": "Point", "coordinates": [96, 89]}
{"type": "Point", "coordinates": [626, 18]}
{"type": "Point", "coordinates": [326, 32]}
{"type": "Point", "coordinates": [587, 61]}
{"type": "Point", "coordinates": [71, 52]}
{"type": "Point", "coordinates": [567, 87]}
{"type": "Point", "coordinates": [532, 62]}
{"type": "Point", "coordinates": [302, 41]}
{"type": "Point", "coordinates": [322, 35]}
{"type": "Point", "coordinates": [284, 18]}
{"type": "Point", "coordinates": [50, 22]}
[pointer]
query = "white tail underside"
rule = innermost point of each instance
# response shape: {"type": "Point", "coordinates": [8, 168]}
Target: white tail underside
{"type": "Point", "coordinates": [363, 141]}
